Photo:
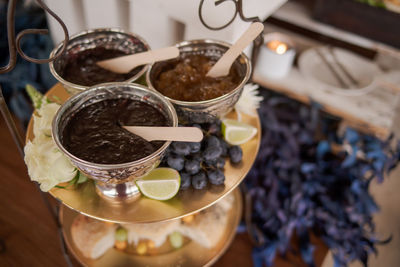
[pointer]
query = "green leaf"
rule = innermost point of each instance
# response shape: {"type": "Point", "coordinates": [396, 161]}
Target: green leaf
{"type": "Point", "coordinates": [35, 95]}
{"type": "Point", "coordinates": [81, 178]}
{"type": "Point", "coordinates": [74, 180]}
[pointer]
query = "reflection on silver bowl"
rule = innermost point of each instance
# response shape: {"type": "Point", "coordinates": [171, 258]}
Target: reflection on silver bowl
{"type": "Point", "coordinates": [114, 39]}
{"type": "Point", "coordinates": [109, 176]}
{"type": "Point", "coordinates": [204, 111]}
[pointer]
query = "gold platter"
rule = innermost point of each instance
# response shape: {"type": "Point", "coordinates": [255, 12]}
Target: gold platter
{"type": "Point", "coordinates": [85, 200]}
{"type": "Point", "coordinates": [191, 254]}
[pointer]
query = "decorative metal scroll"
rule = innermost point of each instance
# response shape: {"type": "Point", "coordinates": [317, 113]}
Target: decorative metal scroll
{"type": "Point", "coordinates": [239, 9]}
{"type": "Point", "coordinates": [14, 44]}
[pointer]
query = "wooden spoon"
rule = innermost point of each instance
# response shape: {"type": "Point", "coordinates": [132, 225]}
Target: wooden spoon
{"type": "Point", "coordinates": [125, 64]}
{"type": "Point", "coordinates": [183, 134]}
{"type": "Point", "coordinates": [223, 65]}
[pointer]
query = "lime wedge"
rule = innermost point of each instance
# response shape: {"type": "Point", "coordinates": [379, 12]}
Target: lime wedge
{"type": "Point", "coordinates": [160, 183]}
{"type": "Point", "coordinates": [236, 132]}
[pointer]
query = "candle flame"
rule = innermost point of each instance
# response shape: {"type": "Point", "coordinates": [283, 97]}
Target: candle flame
{"type": "Point", "coordinates": [281, 49]}
{"type": "Point", "coordinates": [277, 46]}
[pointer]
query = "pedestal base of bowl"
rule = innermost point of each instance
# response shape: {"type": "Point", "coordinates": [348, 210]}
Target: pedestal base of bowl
{"type": "Point", "coordinates": [118, 192]}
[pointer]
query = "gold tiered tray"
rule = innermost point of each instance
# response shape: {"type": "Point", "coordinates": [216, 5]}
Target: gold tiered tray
{"type": "Point", "coordinates": [84, 199]}
{"type": "Point", "coordinates": [191, 254]}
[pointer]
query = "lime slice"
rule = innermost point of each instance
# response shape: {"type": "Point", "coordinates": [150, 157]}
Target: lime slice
{"type": "Point", "coordinates": [236, 132]}
{"type": "Point", "coordinates": [160, 184]}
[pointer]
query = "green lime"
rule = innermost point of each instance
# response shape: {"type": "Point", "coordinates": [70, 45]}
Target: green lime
{"type": "Point", "coordinates": [176, 239]}
{"type": "Point", "coordinates": [236, 132]}
{"type": "Point", "coordinates": [160, 183]}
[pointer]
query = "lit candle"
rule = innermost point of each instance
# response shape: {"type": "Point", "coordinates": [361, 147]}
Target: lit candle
{"type": "Point", "coordinates": [277, 46]}
{"type": "Point", "coordinates": [276, 56]}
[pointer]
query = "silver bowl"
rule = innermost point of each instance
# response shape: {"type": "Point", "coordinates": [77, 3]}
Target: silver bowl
{"type": "Point", "coordinates": [109, 38]}
{"type": "Point", "coordinates": [113, 180]}
{"type": "Point", "coordinates": [208, 110]}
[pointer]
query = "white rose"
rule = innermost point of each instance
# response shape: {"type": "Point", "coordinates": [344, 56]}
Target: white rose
{"type": "Point", "coordinates": [62, 169]}
{"type": "Point", "coordinates": [46, 164]}
{"type": "Point", "coordinates": [42, 123]}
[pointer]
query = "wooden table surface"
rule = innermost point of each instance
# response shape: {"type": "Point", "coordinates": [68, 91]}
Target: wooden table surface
{"type": "Point", "coordinates": [28, 234]}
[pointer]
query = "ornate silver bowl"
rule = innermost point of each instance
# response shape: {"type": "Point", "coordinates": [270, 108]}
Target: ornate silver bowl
{"type": "Point", "coordinates": [108, 38]}
{"type": "Point", "coordinates": [208, 110]}
{"type": "Point", "coordinates": [113, 180]}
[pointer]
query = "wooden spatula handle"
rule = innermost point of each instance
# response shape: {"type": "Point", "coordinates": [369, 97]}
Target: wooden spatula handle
{"type": "Point", "coordinates": [125, 64]}
{"type": "Point", "coordinates": [183, 134]}
{"type": "Point", "coordinates": [223, 65]}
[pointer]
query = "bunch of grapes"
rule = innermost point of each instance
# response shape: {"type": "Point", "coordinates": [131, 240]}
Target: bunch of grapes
{"type": "Point", "coordinates": [201, 163]}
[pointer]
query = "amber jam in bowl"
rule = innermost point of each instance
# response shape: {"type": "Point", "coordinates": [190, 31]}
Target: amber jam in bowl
{"type": "Point", "coordinates": [182, 81]}
{"type": "Point", "coordinates": [76, 69]}
{"type": "Point", "coordinates": [87, 129]}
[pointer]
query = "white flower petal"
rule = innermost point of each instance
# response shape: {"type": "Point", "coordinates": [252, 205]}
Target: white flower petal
{"type": "Point", "coordinates": [249, 101]}
{"type": "Point", "coordinates": [62, 170]}
{"type": "Point", "coordinates": [42, 123]}
{"type": "Point", "coordinates": [32, 160]}
{"type": "Point", "coordinates": [47, 184]}
{"type": "Point", "coordinates": [46, 164]}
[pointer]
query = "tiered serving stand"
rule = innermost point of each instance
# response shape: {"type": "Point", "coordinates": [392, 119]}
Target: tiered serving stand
{"type": "Point", "coordinates": [83, 199]}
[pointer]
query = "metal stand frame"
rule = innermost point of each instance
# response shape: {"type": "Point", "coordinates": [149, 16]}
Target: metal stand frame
{"type": "Point", "coordinates": [14, 46]}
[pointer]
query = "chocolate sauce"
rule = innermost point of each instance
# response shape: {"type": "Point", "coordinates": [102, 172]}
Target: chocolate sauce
{"type": "Point", "coordinates": [95, 134]}
{"type": "Point", "coordinates": [81, 67]}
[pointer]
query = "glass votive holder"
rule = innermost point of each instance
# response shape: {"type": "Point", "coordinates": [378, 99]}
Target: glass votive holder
{"type": "Point", "coordinates": [276, 56]}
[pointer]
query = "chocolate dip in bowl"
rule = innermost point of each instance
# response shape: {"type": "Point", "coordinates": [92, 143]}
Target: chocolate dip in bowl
{"type": "Point", "coordinates": [87, 129]}
{"type": "Point", "coordinates": [76, 69]}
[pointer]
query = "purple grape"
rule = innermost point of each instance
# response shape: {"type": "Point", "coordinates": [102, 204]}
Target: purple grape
{"type": "Point", "coordinates": [197, 156]}
{"type": "Point", "coordinates": [192, 166]}
{"type": "Point", "coordinates": [197, 160]}
{"type": "Point", "coordinates": [225, 146]}
{"type": "Point", "coordinates": [216, 177]}
{"type": "Point", "coordinates": [212, 141]}
{"type": "Point", "coordinates": [186, 180]}
{"type": "Point", "coordinates": [199, 180]}
{"type": "Point", "coordinates": [176, 162]}
{"type": "Point", "coordinates": [194, 147]}
{"type": "Point", "coordinates": [214, 128]}
{"type": "Point", "coordinates": [211, 163]}
{"type": "Point", "coordinates": [181, 148]}
{"type": "Point", "coordinates": [212, 153]}
{"type": "Point", "coordinates": [235, 154]}
{"type": "Point", "coordinates": [220, 164]}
